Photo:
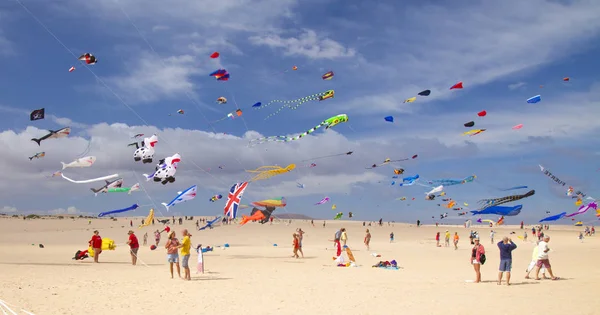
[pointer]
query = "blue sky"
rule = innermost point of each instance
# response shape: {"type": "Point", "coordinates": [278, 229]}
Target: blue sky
{"type": "Point", "coordinates": [153, 60]}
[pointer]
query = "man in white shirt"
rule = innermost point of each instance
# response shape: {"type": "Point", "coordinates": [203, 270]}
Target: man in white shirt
{"type": "Point", "coordinates": [543, 259]}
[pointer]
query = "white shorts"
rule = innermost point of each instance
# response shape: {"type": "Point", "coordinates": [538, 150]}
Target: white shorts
{"type": "Point", "coordinates": [475, 262]}
{"type": "Point", "coordinates": [532, 265]}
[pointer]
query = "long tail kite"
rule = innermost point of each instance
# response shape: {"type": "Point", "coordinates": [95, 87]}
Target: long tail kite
{"type": "Point", "coordinates": [294, 104]}
{"type": "Point", "coordinates": [327, 123]}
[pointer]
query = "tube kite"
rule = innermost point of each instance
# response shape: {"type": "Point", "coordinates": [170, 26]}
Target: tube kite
{"type": "Point", "coordinates": [89, 180]}
{"type": "Point", "coordinates": [294, 104]}
{"type": "Point", "coordinates": [133, 207]}
{"type": "Point", "coordinates": [148, 219]}
{"type": "Point", "coordinates": [500, 210]}
{"type": "Point", "coordinates": [265, 172]}
{"type": "Point", "coordinates": [327, 123]}
{"type": "Point", "coordinates": [324, 200]}
{"type": "Point", "coordinates": [502, 200]}
{"type": "Point", "coordinates": [450, 182]}
{"type": "Point", "coordinates": [128, 190]}
{"type": "Point", "coordinates": [583, 209]}
{"type": "Point", "coordinates": [554, 217]}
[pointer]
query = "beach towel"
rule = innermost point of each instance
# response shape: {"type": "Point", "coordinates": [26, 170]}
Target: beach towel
{"type": "Point", "coordinates": [387, 265]}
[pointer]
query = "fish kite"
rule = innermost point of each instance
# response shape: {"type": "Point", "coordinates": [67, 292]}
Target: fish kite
{"type": "Point", "coordinates": [133, 207]}
{"type": "Point", "coordinates": [294, 104]}
{"type": "Point", "coordinates": [182, 196]}
{"type": "Point", "coordinates": [458, 85]}
{"type": "Point", "coordinates": [220, 75]}
{"type": "Point", "coordinates": [215, 198]}
{"type": "Point", "coordinates": [500, 210]}
{"type": "Point", "coordinates": [165, 170]}
{"type": "Point", "coordinates": [209, 224]}
{"type": "Point", "coordinates": [324, 200]}
{"type": "Point", "coordinates": [81, 162]}
{"type": "Point", "coordinates": [54, 134]}
{"type": "Point", "coordinates": [255, 216]}
{"type": "Point", "coordinates": [435, 190]}
{"type": "Point", "coordinates": [37, 114]}
{"type": "Point", "coordinates": [117, 183]}
{"type": "Point", "coordinates": [88, 58]}
{"type": "Point", "coordinates": [233, 200]}
{"type": "Point", "coordinates": [145, 153]}
{"type": "Point", "coordinates": [37, 155]}
{"type": "Point", "coordinates": [473, 132]}
{"type": "Point", "coordinates": [265, 213]}
{"type": "Point", "coordinates": [534, 99]}
{"type": "Point", "coordinates": [265, 172]}
{"type": "Point", "coordinates": [327, 123]}
{"type": "Point", "coordinates": [87, 181]}
{"type": "Point", "coordinates": [128, 190]}
{"type": "Point", "coordinates": [502, 200]}
{"type": "Point", "coordinates": [327, 76]}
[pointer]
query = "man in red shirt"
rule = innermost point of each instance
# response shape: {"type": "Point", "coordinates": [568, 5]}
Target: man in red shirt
{"type": "Point", "coordinates": [96, 243]}
{"type": "Point", "coordinates": [134, 245]}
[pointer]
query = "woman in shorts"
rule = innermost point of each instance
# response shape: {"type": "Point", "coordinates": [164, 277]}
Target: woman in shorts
{"type": "Point", "coordinates": [476, 253]}
{"type": "Point", "coordinates": [172, 255]}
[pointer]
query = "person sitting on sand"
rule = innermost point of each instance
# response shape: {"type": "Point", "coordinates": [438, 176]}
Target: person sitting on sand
{"type": "Point", "coordinates": [456, 240]}
{"type": "Point", "coordinates": [543, 259]}
{"type": "Point", "coordinates": [476, 254]}
{"type": "Point", "coordinates": [172, 256]}
{"type": "Point", "coordinates": [367, 239]}
{"type": "Point", "coordinates": [134, 246]}
{"type": "Point", "coordinates": [96, 243]}
{"type": "Point", "coordinates": [296, 245]}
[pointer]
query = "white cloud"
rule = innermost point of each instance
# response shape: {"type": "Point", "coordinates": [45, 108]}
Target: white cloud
{"type": "Point", "coordinates": [70, 210]}
{"type": "Point", "coordinates": [8, 209]}
{"type": "Point", "coordinates": [517, 85]}
{"type": "Point", "coordinates": [307, 44]}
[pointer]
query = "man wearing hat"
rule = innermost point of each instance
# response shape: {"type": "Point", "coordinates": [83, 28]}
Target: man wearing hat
{"type": "Point", "coordinates": [134, 245]}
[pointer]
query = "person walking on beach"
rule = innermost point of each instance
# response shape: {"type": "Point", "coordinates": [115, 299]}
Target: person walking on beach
{"type": "Point", "coordinates": [525, 236]}
{"type": "Point", "coordinates": [145, 238]}
{"type": "Point", "coordinates": [543, 259]}
{"type": "Point", "coordinates": [344, 236]}
{"type": "Point", "coordinates": [391, 237]}
{"type": "Point", "coordinates": [580, 236]}
{"type": "Point", "coordinates": [96, 243]}
{"type": "Point", "coordinates": [521, 225]}
{"type": "Point", "coordinates": [506, 247]}
{"type": "Point", "coordinates": [368, 239]}
{"type": "Point", "coordinates": [130, 223]}
{"type": "Point", "coordinates": [296, 245]}
{"type": "Point", "coordinates": [492, 234]}
{"type": "Point", "coordinates": [300, 238]}
{"type": "Point", "coordinates": [186, 245]}
{"type": "Point", "coordinates": [157, 237]}
{"type": "Point", "coordinates": [534, 259]}
{"type": "Point", "coordinates": [447, 239]}
{"type": "Point", "coordinates": [456, 238]}
{"type": "Point", "coordinates": [134, 245]}
{"type": "Point", "coordinates": [477, 253]}
{"type": "Point", "coordinates": [437, 239]}
{"type": "Point", "coordinates": [172, 257]}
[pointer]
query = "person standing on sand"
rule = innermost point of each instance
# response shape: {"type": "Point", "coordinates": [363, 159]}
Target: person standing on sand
{"type": "Point", "coordinates": [344, 236]}
{"type": "Point", "coordinates": [506, 247]}
{"type": "Point", "coordinates": [476, 254]}
{"type": "Point", "coordinates": [157, 237]}
{"type": "Point", "coordinates": [336, 242]}
{"type": "Point", "coordinates": [437, 239]}
{"type": "Point", "coordinates": [392, 237]}
{"type": "Point", "coordinates": [145, 238]}
{"type": "Point", "coordinates": [543, 260]}
{"type": "Point", "coordinates": [447, 239]}
{"type": "Point", "coordinates": [323, 223]}
{"type": "Point", "coordinates": [296, 245]}
{"type": "Point", "coordinates": [418, 223]}
{"type": "Point", "coordinates": [300, 238]}
{"type": "Point", "coordinates": [525, 236]}
{"type": "Point", "coordinates": [368, 239]}
{"type": "Point", "coordinates": [534, 259]}
{"type": "Point", "coordinates": [492, 234]}
{"type": "Point", "coordinates": [456, 240]}
{"type": "Point", "coordinates": [96, 243]}
{"type": "Point", "coordinates": [130, 223]}
{"type": "Point", "coordinates": [134, 246]}
{"type": "Point", "coordinates": [172, 257]}
{"type": "Point", "coordinates": [185, 246]}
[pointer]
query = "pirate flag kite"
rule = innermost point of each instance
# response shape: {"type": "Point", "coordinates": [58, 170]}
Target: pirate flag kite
{"type": "Point", "coordinates": [37, 114]}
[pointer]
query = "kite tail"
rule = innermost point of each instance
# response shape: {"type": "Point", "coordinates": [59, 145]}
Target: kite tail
{"type": "Point", "coordinates": [37, 140]}
{"type": "Point", "coordinates": [166, 206]}
{"type": "Point", "coordinates": [148, 178]}
{"type": "Point", "coordinates": [64, 165]}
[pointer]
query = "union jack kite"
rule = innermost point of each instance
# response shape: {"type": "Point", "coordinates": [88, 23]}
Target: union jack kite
{"type": "Point", "coordinates": [234, 198]}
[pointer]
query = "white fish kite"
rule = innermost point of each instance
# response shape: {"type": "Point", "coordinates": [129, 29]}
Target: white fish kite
{"type": "Point", "coordinates": [435, 190]}
{"type": "Point", "coordinates": [182, 196]}
{"type": "Point", "coordinates": [324, 200]}
{"type": "Point", "coordinates": [128, 190]}
{"type": "Point", "coordinates": [90, 180]}
{"type": "Point", "coordinates": [81, 162]}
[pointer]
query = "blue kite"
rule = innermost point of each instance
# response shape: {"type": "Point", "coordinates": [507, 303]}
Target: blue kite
{"type": "Point", "coordinates": [209, 224]}
{"type": "Point", "coordinates": [500, 210]}
{"type": "Point", "coordinates": [534, 99]}
{"type": "Point", "coordinates": [135, 206]}
{"type": "Point", "coordinates": [554, 217]}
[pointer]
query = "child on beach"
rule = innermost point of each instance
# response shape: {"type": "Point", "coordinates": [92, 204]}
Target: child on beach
{"type": "Point", "coordinates": [296, 244]}
{"type": "Point", "coordinates": [391, 237]}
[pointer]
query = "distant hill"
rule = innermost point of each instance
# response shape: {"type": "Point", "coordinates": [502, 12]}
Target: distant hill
{"type": "Point", "coordinates": [292, 216]}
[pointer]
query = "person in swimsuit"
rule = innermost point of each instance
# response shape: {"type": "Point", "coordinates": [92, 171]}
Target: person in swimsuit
{"type": "Point", "coordinates": [368, 239]}
{"type": "Point", "coordinates": [475, 258]}
{"type": "Point", "coordinates": [172, 256]}
{"type": "Point", "coordinates": [296, 244]}
{"type": "Point", "coordinates": [300, 238]}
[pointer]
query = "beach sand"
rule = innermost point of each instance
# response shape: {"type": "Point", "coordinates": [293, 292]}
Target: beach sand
{"type": "Point", "coordinates": [254, 277]}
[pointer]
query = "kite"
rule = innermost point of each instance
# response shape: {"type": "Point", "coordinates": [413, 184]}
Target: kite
{"type": "Point", "coordinates": [294, 104]}
{"type": "Point", "coordinates": [519, 126]}
{"type": "Point", "coordinates": [214, 55]}
{"type": "Point", "coordinates": [165, 170]}
{"type": "Point", "coordinates": [482, 113]}
{"type": "Point", "coordinates": [182, 196]}
{"type": "Point", "coordinates": [327, 123]}
{"type": "Point", "coordinates": [487, 221]}
{"type": "Point", "coordinates": [583, 209]}
{"type": "Point", "coordinates": [450, 204]}
{"type": "Point", "coordinates": [88, 58]}
{"type": "Point", "coordinates": [180, 111]}
{"type": "Point", "coordinates": [37, 155]}
{"type": "Point", "coordinates": [89, 180]}
{"type": "Point", "coordinates": [71, 69]}
{"type": "Point", "coordinates": [233, 200]}
{"type": "Point", "coordinates": [458, 85]}
{"type": "Point", "coordinates": [257, 104]}
{"type": "Point", "coordinates": [138, 135]}
{"type": "Point", "coordinates": [265, 172]}
{"type": "Point", "coordinates": [514, 188]}
{"type": "Point", "coordinates": [215, 198]}
{"type": "Point", "coordinates": [502, 200]}
{"type": "Point", "coordinates": [327, 76]}
{"type": "Point", "coordinates": [558, 181]}
{"type": "Point", "coordinates": [500, 210]}
{"type": "Point", "coordinates": [424, 93]}
{"type": "Point", "coordinates": [534, 99]}
{"type": "Point", "coordinates": [328, 156]}
{"type": "Point", "coordinates": [579, 223]}
{"type": "Point", "coordinates": [338, 216]}
{"type": "Point", "coordinates": [410, 100]}
{"type": "Point", "coordinates": [81, 162]}
{"type": "Point", "coordinates": [398, 171]}
{"type": "Point", "coordinates": [409, 181]}
{"type": "Point", "coordinates": [435, 190]}
{"type": "Point", "coordinates": [469, 124]}
{"type": "Point", "coordinates": [350, 215]}
{"type": "Point", "coordinates": [262, 216]}
{"type": "Point", "coordinates": [324, 200]}
{"type": "Point", "coordinates": [299, 185]}
{"type": "Point", "coordinates": [566, 79]}
{"type": "Point", "coordinates": [37, 114]}
{"type": "Point", "coordinates": [333, 207]}
{"type": "Point", "coordinates": [255, 216]}
{"type": "Point", "coordinates": [450, 182]}
{"type": "Point", "coordinates": [221, 100]}
{"type": "Point", "coordinates": [117, 183]}
{"type": "Point", "coordinates": [148, 219]}
{"type": "Point", "coordinates": [146, 152]}
{"type": "Point", "coordinates": [388, 160]}
{"type": "Point", "coordinates": [107, 244]}
{"type": "Point", "coordinates": [128, 190]}
{"type": "Point", "coordinates": [473, 132]}
{"type": "Point", "coordinates": [275, 202]}
{"type": "Point", "coordinates": [294, 68]}
{"type": "Point", "coordinates": [500, 221]}
{"type": "Point", "coordinates": [554, 217]}
{"type": "Point", "coordinates": [389, 118]}
{"type": "Point", "coordinates": [54, 134]}
{"type": "Point", "coordinates": [133, 207]}
{"type": "Point", "coordinates": [209, 224]}
{"type": "Point", "coordinates": [220, 75]}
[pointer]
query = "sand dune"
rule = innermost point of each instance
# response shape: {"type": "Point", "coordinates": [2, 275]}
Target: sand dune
{"type": "Point", "coordinates": [254, 277]}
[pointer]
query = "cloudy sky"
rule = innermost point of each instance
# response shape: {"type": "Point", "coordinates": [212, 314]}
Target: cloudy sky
{"type": "Point", "coordinates": [154, 60]}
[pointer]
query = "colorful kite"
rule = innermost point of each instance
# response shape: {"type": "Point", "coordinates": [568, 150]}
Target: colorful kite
{"type": "Point", "coordinates": [165, 170]}
{"type": "Point", "coordinates": [566, 79]}
{"type": "Point", "coordinates": [473, 132]}
{"type": "Point", "coordinates": [266, 214]}
{"type": "Point", "coordinates": [215, 198]}
{"type": "Point", "coordinates": [232, 115]}
{"type": "Point", "coordinates": [233, 200]}
{"type": "Point", "coordinates": [53, 134]}
{"type": "Point", "coordinates": [294, 104]}
{"type": "Point", "coordinates": [133, 207]}
{"type": "Point", "coordinates": [117, 183]}
{"type": "Point", "coordinates": [182, 196]}
{"type": "Point", "coordinates": [256, 216]}
{"type": "Point", "coordinates": [584, 209]}
{"type": "Point", "coordinates": [458, 85]}
{"type": "Point", "coordinates": [327, 123]}
{"type": "Point", "coordinates": [327, 76]}
{"type": "Point", "coordinates": [265, 172]}
{"type": "Point", "coordinates": [502, 200]}
{"type": "Point", "coordinates": [220, 75]}
{"type": "Point", "coordinates": [88, 58]}
{"type": "Point", "coordinates": [209, 224]}
{"type": "Point", "coordinates": [148, 219]}
{"type": "Point", "coordinates": [221, 100]}
{"type": "Point", "coordinates": [534, 99]}
{"type": "Point", "coordinates": [275, 202]}
{"type": "Point", "coordinates": [500, 210]}
{"type": "Point", "coordinates": [214, 55]}
{"type": "Point", "coordinates": [450, 182]}
{"type": "Point", "coordinates": [557, 180]}
{"type": "Point", "coordinates": [324, 200]}
{"type": "Point", "coordinates": [37, 156]}
{"type": "Point", "coordinates": [338, 216]}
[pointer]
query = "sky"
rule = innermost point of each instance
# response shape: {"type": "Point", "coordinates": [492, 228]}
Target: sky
{"type": "Point", "coordinates": [153, 59]}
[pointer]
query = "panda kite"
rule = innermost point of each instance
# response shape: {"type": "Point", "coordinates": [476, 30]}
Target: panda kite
{"type": "Point", "coordinates": [165, 170]}
{"type": "Point", "coordinates": [146, 152]}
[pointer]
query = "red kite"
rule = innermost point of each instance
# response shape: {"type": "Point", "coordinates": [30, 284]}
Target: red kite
{"type": "Point", "coordinates": [214, 55]}
{"type": "Point", "coordinates": [566, 79]}
{"type": "Point", "coordinates": [458, 85]}
{"type": "Point", "coordinates": [482, 113]}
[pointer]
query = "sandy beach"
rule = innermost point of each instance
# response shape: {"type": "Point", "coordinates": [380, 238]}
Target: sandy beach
{"type": "Point", "coordinates": [253, 276]}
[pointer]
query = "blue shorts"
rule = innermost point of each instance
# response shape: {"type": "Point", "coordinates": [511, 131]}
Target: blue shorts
{"type": "Point", "coordinates": [173, 258]}
{"type": "Point", "coordinates": [185, 261]}
{"type": "Point", "coordinates": [505, 265]}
